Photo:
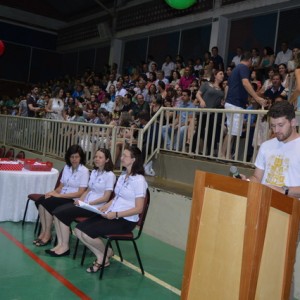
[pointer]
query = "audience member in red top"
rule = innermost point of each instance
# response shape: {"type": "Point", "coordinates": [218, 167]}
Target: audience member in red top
{"type": "Point", "coordinates": [186, 80]}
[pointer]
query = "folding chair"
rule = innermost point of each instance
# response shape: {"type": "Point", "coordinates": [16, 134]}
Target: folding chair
{"type": "Point", "coordinates": [10, 154]}
{"type": "Point", "coordinates": [34, 198]}
{"type": "Point", "coordinates": [2, 151]}
{"type": "Point", "coordinates": [20, 155]}
{"type": "Point", "coordinates": [129, 237]}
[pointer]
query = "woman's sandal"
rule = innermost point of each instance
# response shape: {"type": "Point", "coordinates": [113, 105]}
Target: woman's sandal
{"type": "Point", "coordinates": [40, 243]}
{"type": "Point", "coordinates": [95, 267]}
{"type": "Point", "coordinates": [36, 241]}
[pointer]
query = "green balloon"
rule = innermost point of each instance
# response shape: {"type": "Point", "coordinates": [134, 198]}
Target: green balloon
{"type": "Point", "coordinates": [180, 4]}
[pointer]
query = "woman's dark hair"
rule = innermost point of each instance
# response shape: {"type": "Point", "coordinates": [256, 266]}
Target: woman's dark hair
{"type": "Point", "coordinates": [178, 75]}
{"type": "Point", "coordinates": [213, 78]}
{"type": "Point", "coordinates": [56, 91]}
{"type": "Point", "coordinates": [269, 50]}
{"type": "Point", "coordinates": [109, 166]}
{"type": "Point", "coordinates": [153, 75]}
{"type": "Point", "coordinates": [161, 84]}
{"type": "Point", "coordinates": [138, 164]}
{"type": "Point", "coordinates": [73, 150]}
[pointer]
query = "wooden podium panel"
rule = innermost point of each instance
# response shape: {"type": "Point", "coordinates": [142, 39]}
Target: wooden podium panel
{"type": "Point", "coordinates": [270, 278]}
{"type": "Point", "coordinates": [241, 242]}
{"type": "Point", "coordinates": [220, 237]}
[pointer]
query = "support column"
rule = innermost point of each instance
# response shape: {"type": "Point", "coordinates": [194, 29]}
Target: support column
{"type": "Point", "coordinates": [115, 55]}
{"type": "Point", "coordinates": [220, 31]}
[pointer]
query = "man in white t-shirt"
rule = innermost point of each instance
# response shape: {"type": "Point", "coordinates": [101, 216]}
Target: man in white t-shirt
{"type": "Point", "coordinates": [278, 161]}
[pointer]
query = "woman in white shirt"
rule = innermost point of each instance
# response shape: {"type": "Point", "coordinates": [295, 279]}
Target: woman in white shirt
{"type": "Point", "coordinates": [100, 189]}
{"type": "Point", "coordinates": [73, 183]}
{"type": "Point", "coordinates": [121, 214]}
{"type": "Point", "coordinates": [55, 107]}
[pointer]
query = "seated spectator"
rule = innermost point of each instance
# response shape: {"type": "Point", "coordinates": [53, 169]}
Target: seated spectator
{"type": "Point", "coordinates": [284, 55]}
{"type": "Point", "coordinates": [142, 105]}
{"type": "Point", "coordinates": [107, 104]}
{"type": "Point", "coordinates": [120, 91]}
{"type": "Point", "coordinates": [161, 89]}
{"type": "Point", "coordinates": [78, 91]}
{"type": "Point", "coordinates": [175, 77]}
{"type": "Point", "coordinates": [128, 105]}
{"type": "Point", "coordinates": [151, 79]}
{"type": "Point", "coordinates": [23, 106]}
{"type": "Point", "coordinates": [255, 60]}
{"type": "Point", "coordinates": [160, 75]}
{"type": "Point", "coordinates": [168, 66]}
{"type": "Point", "coordinates": [155, 105]}
{"type": "Point", "coordinates": [183, 122]}
{"type": "Point", "coordinates": [291, 63]}
{"type": "Point", "coordinates": [267, 61]}
{"type": "Point", "coordinates": [118, 106]}
{"type": "Point", "coordinates": [237, 58]}
{"type": "Point", "coordinates": [122, 212]}
{"type": "Point", "coordinates": [73, 183]}
{"type": "Point", "coordinates": [93, 117]}
{"type": "Point", "coordinates": [277, 89]}
{"type": "Point", "coordinates": [217, 59]}
{"type": "Point", "coordinates": [141, 89]}
{"type": "Point", "coordinates": [112, 92]}
{"type": "Point", "coordinates": [186, 80]}
{"type": "Point", "coordinates": [100, 188]}
{"type": "Point", "coordinates": [78, 115]}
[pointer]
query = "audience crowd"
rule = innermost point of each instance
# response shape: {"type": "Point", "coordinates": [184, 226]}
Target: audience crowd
{"type": "Point", "coordinates": [196, 83]}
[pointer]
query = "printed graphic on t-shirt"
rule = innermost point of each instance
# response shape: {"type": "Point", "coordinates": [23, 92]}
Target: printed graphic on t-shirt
{"type": "Point", "coordinates": [277, 167]}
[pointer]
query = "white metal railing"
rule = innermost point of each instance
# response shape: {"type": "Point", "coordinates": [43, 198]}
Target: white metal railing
{"type": "Point", "coordinates": [200, 134]}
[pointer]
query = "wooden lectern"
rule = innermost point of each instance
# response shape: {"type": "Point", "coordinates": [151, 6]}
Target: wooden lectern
{"type": "Point", "coordinates": [242, 241]}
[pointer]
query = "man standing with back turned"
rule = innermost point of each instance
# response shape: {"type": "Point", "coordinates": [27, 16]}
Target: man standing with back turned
{"type": "Point", "coordinates": [239, 89]}
{"type": "Point", "coordinates": [278, 161]}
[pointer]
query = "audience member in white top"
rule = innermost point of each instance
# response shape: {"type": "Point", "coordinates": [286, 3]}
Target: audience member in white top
{"type": "Point", "coordinates": [120, 91]}
{"type": "Point", "coordinates": [168, 66]}
{"type": "Point", "coordinates": [237, 58]}
{"type": "Point", "coordinates": [284, 55]}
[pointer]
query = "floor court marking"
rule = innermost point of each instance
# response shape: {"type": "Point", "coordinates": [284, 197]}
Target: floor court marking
{"type": "Point", "coordinates": [149, 276]}
{"type": "Point", "coordinates": [73, 288]}
{"type": "Point", "coordinates": [45, 266]}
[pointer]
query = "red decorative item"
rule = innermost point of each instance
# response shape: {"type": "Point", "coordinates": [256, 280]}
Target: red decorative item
{"type": "Point", "coordinates": [2, 48]}
{"type": "Point", "coordinates": [9, 166]}
{"type": "Point", "coordinates": [38, 166]}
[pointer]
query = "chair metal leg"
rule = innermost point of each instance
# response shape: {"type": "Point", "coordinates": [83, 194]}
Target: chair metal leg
{"type": "Point", "coordinates": [76, 248]}
{"type": "Point", "coordinates": [138, 256]}
{"type": "Point", "coordinates": [119, 250]}
{"type": "Point", "coordinates": [104, 259]}
{"type": "Point", "coordinates": [37, 227]}
{"type": "Point", "coordinates": [83, 255]}
{"type": "Point", "coordinates": [25, 212]}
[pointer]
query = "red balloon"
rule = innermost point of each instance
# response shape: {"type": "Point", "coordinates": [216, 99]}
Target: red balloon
{"type": "Point", "coordinates": [2, 48]}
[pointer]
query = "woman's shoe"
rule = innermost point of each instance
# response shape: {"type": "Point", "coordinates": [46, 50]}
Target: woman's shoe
{"type": "Point", "coordinates": [36, 241]}
{"type": "Point", "coordinates": [40, 243]}
{"type": "Point", "coordinates": [96, 267]}
{"type": "Point", "coordinates": [49, 251]}
{"type": "Point", "coordinates": [52, 253]}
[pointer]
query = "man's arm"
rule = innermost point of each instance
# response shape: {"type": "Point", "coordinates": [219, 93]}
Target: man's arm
{"type": "Point", "coordinates": [247, 85]}
{"type": "Point", "coordinates": [256, 177]}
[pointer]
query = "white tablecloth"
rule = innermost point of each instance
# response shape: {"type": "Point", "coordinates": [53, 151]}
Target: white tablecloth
{"type": "Point", "coordinates": [15, 186]}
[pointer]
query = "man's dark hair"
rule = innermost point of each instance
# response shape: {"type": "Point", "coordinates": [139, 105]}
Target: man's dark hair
{"type": "Point", "coordinates": [189, 93]}
{"type": "Point", "coordinates": [282, 109]}
{"type": "Point", "coordinates": [246, 56]}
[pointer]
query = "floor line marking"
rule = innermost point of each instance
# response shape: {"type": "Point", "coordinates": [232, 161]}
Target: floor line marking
{"type": "Point", "coordinates": [149, 276]}
{"type": "Point", "coordinates": [45, 266]}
